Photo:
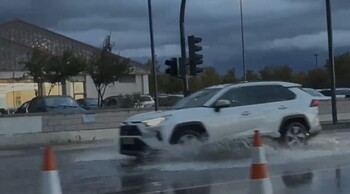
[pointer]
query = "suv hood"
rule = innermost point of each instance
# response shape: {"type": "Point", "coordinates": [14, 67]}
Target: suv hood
{"type": "Point", "coordinates": [150, 115]}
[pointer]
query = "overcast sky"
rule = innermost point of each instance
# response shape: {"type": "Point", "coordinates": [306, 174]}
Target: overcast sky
{"type": "Point", "coordinates": [276, 31]}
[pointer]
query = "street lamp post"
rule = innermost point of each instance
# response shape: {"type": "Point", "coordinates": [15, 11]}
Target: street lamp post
{"type": "Point", "coordinates": [243, 51]}
{"type": "Point", "coordinates": [153, 55]}
{"type": "Point", "coordinates": [331, 60]}
{"type": "Point", "coordinates": [316, 58]}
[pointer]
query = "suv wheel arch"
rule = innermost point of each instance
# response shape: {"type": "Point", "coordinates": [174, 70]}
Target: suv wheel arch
{"type": "Point", "coordinates": [192, 126]}
{"type": "Point", "coordinates": [294, 118]}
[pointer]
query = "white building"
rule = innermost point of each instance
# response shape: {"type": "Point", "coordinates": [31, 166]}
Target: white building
{"type": "Point", "coordinates": [17, 38]}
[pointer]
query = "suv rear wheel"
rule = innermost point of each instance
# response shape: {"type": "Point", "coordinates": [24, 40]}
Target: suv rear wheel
{"type": "Point", "coordinates": [295, 133]}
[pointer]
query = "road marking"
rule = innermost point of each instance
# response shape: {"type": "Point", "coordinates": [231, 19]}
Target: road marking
{"type": "Point", "coordinates": [9, 153]}
{"type": "Point", "coordinates": [82, 146]}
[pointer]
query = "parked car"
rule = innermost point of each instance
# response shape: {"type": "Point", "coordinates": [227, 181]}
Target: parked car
{"type": "Point", "coordinates": [88, 103]}
{"type": "Point", "coordinates": [58, 104]}
{"type": "Point", "coordinates": [120, 101]}
{"type": "Point", "coordinates": [169, 99]}
{"type": "Point", "coordinates": [3, 111]}
{"type": "Point", "coordinates": [339, 92]}
{"type": "Point", "coordinates": [279, 110]}
{"type": "Point", "coordinates": [145, 101]}
{"type": "Point", "coordinates": [23, 108]}
{"type": "Point", "coordinates": [316, 94]}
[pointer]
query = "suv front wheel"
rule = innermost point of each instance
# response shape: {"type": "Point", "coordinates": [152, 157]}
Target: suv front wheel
{"type": "Point", "coordinates": [188, 137]}
{"type": "Point", "coordinates": [294, 134]}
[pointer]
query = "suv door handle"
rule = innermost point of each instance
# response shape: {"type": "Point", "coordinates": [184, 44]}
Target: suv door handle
{"type": "Point", "coordinates": [282, 107]}
{"type": "Point", "coordinates": [245, 113]}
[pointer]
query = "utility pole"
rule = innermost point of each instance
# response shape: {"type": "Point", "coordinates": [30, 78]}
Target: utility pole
{"type": "Point", "coordinates": [154, 69]}
{"type": "Point", "coordinates": [331, 61]}
{"type": "Point", "coordinates": [183, 61]}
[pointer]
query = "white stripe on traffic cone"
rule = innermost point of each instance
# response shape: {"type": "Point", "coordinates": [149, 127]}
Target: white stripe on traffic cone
{"type": "Point", "coordinates": [50, 179]}
{"type": "Point", "coordinates": [260, 183]}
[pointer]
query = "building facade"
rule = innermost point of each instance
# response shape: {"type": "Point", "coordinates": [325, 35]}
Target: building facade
{"type": "Point", "coordinates": [18, 38]}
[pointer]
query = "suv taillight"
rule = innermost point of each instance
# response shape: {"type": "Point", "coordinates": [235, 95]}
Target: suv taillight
{"type": "Point", "coordinates": [314, 103]}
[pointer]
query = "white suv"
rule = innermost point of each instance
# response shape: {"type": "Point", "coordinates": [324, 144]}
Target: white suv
{"type": "Point", "coordinates": [278, 109]}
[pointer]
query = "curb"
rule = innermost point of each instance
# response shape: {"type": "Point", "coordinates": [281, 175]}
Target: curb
{"type": "Point", "coordinates": [52, 144]}
{"type": "Point", "coordinates": [338, 126]}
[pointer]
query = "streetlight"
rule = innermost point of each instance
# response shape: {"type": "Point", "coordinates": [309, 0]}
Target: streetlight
{"type": "Point", "coordinates": [331, 60]}
{"type": "Point", "coordinates": [242, 33]}
{"type": "Point", "coordinates": [316, 56]}
{"type": "Point", "coordinates": [153, 55]}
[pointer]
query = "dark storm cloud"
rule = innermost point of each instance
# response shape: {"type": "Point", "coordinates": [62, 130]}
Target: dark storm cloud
{"type": "Point", "coordinates": [276, 31]}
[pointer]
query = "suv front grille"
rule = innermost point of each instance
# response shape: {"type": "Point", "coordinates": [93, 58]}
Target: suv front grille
{"type": "Point", "coordinates": [137, 146]}
{"type": "Point", "coordinates": [129, 130]}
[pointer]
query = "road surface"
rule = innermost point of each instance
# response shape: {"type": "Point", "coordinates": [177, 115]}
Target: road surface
{"type": "Point", "coordinates": [322, 167]}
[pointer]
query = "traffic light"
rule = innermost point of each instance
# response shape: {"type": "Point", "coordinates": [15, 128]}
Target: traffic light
{"type": "Point", "coordinates": [194, 57]}
{"type": "Point", "coordinates": [172, 67]}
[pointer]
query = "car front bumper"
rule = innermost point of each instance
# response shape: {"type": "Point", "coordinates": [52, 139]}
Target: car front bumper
{"type": "Point", "coordinates": [135, 140]}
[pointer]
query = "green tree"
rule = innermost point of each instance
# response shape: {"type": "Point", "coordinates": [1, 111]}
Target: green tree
{"type": "Point", "coordinates": [318, 78]}
{"type": "Point", "coordinates": [35, 66]}
{"type": "Point", "coordinates": [60, 68]}
{"type": "Point", "coordinates": [106, 68]}
{"type": "Point", "coordinates": [252, 75]}
{"type": "Point", "coordinates": [171, 85]}
{"type": "Point", "coordinates": [148, 64]}
{"type": "Point", "coordinates": [273, 73]}
{"type": "Point", "coordinates": [342, 69]}
{"type": "Point", "coordinates": [229, 77]}
{"type": "Point", "coordinates": [209, 77]}
{"type": "Point", "coordinates": [300, 78]}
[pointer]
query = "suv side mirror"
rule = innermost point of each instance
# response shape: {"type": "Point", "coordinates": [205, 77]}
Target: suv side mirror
{"type": "Point", "coordinates": [221, 104]}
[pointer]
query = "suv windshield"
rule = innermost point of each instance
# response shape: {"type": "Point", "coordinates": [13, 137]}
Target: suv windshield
{"type": "Point", "coordinates": [196, 99]}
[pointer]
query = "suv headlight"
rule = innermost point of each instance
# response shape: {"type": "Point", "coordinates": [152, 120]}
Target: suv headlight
{"type": "Point", "coordinates": [154, 122]}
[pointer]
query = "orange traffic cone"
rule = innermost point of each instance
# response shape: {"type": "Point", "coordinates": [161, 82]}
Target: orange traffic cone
{"type": "Point", "coordinates": [50, 179]}
{"type": "Point", "coordinates": [260, 182]}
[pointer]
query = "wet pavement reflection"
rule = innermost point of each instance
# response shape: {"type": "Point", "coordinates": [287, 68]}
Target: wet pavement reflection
{"type": "Point", "coordinates": [322, 168]}
{"type": "Point", "coordinates": [229, 180]}
{"type": "Point", "coordinates": [297, 180]}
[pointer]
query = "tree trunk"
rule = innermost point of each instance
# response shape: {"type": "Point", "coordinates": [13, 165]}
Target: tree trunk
{"type": "Point", "coordinates": [51, 87]}
{"type": "Point", "coordinates": [101, 100]}
{"type": "Point", "coordinates": [64, 87]}
{"type": "Point", "coordinates": [99, 97]}
{"type": "Point", "coordinates": [40, 89]}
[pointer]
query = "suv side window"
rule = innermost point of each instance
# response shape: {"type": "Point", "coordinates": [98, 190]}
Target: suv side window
{"type": "Point", "coordinates": [250, 95]}
{"type": "Point", "coordinates": [238, 97]}
{"type": "Point", "coordinates": [269, 93]}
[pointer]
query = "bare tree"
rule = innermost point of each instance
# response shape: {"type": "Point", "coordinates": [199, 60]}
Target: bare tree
{"type": "Point", "coordinates": [35, 65]}
{"type": "Point", "coordinates": [106, 68]}
{"type": "Point", "coordinates": [60, 68]}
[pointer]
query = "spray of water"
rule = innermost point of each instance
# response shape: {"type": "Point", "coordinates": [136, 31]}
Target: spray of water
{"type": "Point", "coordinates": [230, 154]}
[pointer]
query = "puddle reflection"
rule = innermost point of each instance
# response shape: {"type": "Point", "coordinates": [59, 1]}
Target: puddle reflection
{"type": "Point", "coordinates": [297, 180]}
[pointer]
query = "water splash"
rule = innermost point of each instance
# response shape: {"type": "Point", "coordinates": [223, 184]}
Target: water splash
{"type": "Point", "coordinates": [229, 154]}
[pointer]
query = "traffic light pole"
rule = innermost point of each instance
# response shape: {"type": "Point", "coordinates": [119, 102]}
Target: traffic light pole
{"type": "Point", "coordinates": [154, 69]}
{"type": "Point", "coordinates": [331, 61]}
{"type": "Point", "coordinates": [183, 47]}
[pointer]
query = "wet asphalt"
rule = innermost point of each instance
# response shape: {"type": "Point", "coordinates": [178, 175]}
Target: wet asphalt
{"type": "Point", "coordinates": [322, 167]}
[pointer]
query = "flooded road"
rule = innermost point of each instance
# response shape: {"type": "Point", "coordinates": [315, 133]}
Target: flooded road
{"type": "Point", "coordinates": [320, 167]}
